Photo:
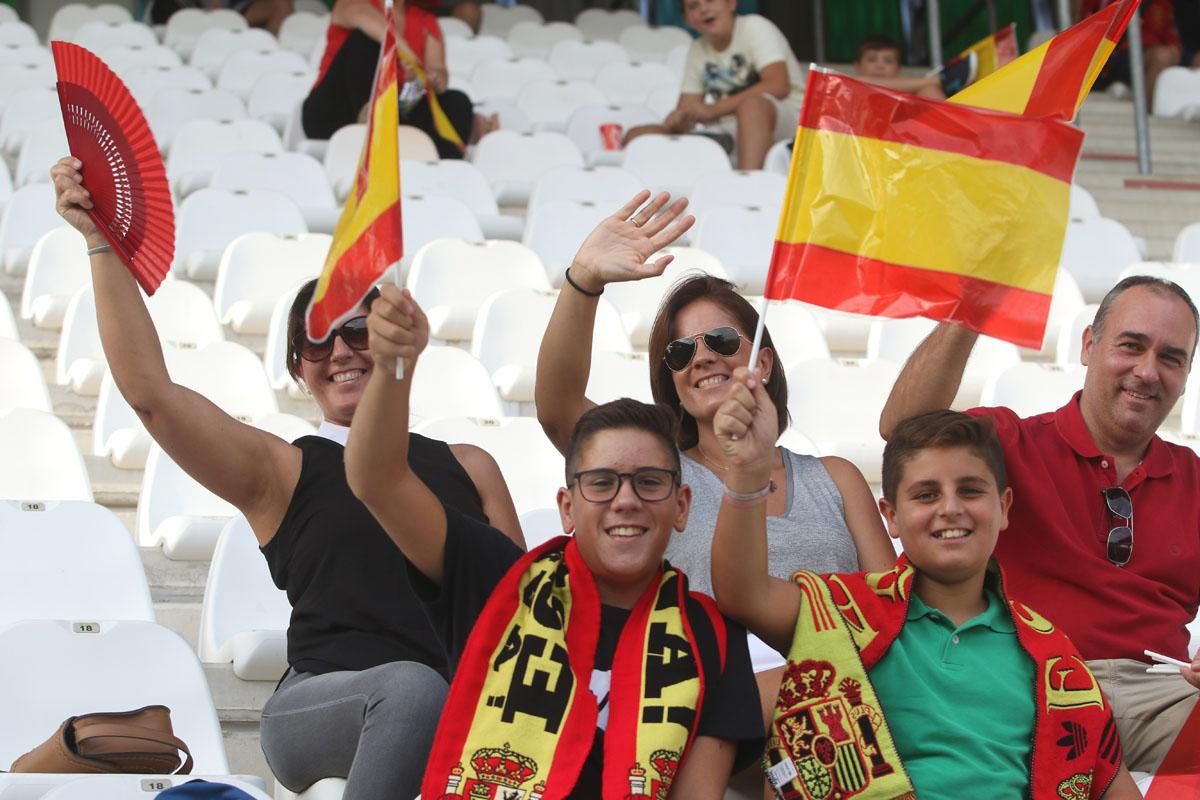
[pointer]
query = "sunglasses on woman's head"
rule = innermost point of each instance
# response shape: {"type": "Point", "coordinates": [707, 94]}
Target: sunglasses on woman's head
{"type": "Point", "coordinates": [724, 341]}
{"type": "Point", "coordinates": [353, 333]}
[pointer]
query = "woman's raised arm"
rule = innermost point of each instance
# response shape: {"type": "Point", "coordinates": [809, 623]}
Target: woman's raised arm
{"type": "Point", "coordinates": [252, 469]}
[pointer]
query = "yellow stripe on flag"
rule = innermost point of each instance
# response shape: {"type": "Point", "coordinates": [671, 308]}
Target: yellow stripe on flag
{"type": "Point", "coordinates": [1011, 96]}
{"type": "Point", "coordinates": [918, 207]}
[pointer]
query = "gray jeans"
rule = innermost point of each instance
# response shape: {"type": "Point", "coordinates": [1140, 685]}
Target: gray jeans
{"type": "Point", "coordinates": [374, 728]}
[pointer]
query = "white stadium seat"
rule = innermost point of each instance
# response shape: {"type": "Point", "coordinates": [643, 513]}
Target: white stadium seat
{"type": "Point", "coordinates": [653, 44]}
{"type": "Point", "coordinates": [674, 163]}
{"type": "Point", "coordinates": [536, 39]}
{"type": "Point", "coordinates": [8, 324]}
{"type": "Point", "coordinates": [453, 27]}
{"type": "Point", "coordinates": [837, 406]}
{"type": "Point", "coordinates": [1185, 275]}
{"type": "Point", "coordinates": [555, 229]}
{"type": "Point", "coordinates": [277, 94]}
{"type": "Point", "coordinates": [616, 375]}
{"type": "Point", "coordinates": [50, 466]}
{"type": "Point", "coordinates": [28, 214]}
{"type": "Point", "coordinates": [512, 162]}
{"type": "Point", "coordinates": [174, 106]}
{"type": "Point", "coordinates": [1187, 244]}
{"type": "Point", "coordinates": [742, 237]}
{"type": "Point", "coordinates": [601, 186]}
{"type": "Point", "coordinates": [243, 67]}
{"type": "Point", "coordinates": [507, 114]}
{"type": "Point", "coordinates": [451, 280]}
{"type": "Point", "coordinates": [123, 787]}
{"type": "Point", "coordinates": [186, 26]}
{"type": "Point", "coordinates": [296, 176]}
{"type": "Point", "coordinates": [45, 143]}
{"type": "Point", "coordinates": [209, 219]}
{"type": "Point", "coordinates": [895, 339]}
{"type": "Point", "coordinates": [633, 83]}
{"type": "Point", "coordinates": [8, 14]}
{"type": "Point", "coordinates": [17, 34]}
{"type": "Point", "coordinates": [463, 55]}
{"type": "Point", "coordinates": [244, 618]}
{"type": "Point", "coordinates": [302, 31]}
{"type": "Point", "coordinates": [450, 381]}
{"type": "Point", "coordinates": [605, 24]}
{"type": "Point", "coordinates": [146, 82]}
{"type": "Point", "coordinates": [340, 159]}
{"type": "Point", "coordinates": [531, 466]}
{"type": "Point", "coordinates": [68, 560]}
{"type": "Point", "coordinates": [796, 332]}
{"type": "Point", "coordinates": [584, 124]}
{"type": "Point", "coordinates": [15, 77]}
{"type": "Point", "coordinates": [577, 60]}
{"type": "Point", "coordinates": [1083, 205]}
{"type": "Point", "coordinates": [637, 301]}
{"type": "Point", "coordinates": [228, 374]}
{"type": "Point", "coordinates": [216, 45]}
{"type": "Point", "coordinates": [99, 35]}
{"type": "Point", "coordinates": [1095, 252]}
{"type": "Point", "coordinates": [70, 17]}
{"type": "Point", "coordinates": [1064, 305]}
{"type": "Point", "coordinates": [128, 60]}
{"type": "Point", "coordinates": [509, 331]}
{"type": "Point", "coordinates": [1070, 340]}
{"type": "Point", "coordinates": [436, 217]}
{"type": "Point", "coordinates": [748, 188]}
{"type": "Point", "coordinates": [130, 664]}
{"type": "Point", "coordinates": [1031, 389]}
{"type": "Point", "coordinates": [202, 145]}
{"type": "Point", "coordinates": [416, 143]}
{"type": "Point", "coordinates": [257, 268]}
{"type": "Point", "coordinates": [58, 267]}
{"type": "Point", "coordinates": [498, 20]}
{"type": "Point", "coordinates": [23, 385]}
{"type": "Point", "coordinates": [31, 54]}
{"type": "Point", "coordinates": [26, 110]}
{"type": "Point", "coordinates": [506, 77]}
{"type": "Point", "coordinates": [540, 525]}
{"type": "Point", "coordinates": [176, 513]}
{"type": "Point", "coordinates": [6, 190]}
{"type": "Point", "coordinates": [549, 104]}
{"type": "Point", "coordinates": [463, 181]}
{"type": "Point", "coordinates": [1177, 93]}
{"type": "Point", "coordinates": [275, 349]}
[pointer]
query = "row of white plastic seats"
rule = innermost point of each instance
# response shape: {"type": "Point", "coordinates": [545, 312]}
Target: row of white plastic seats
{"type": "Point", "coordinates": [1177, 93]}
{"type": "Point", "coordinates": [585, 62]}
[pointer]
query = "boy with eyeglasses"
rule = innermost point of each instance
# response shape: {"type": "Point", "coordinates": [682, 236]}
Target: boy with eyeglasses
{"type": "Point", "coordinates": [582, 669]}
{"type": "Point", "coordinates": [925, 680]}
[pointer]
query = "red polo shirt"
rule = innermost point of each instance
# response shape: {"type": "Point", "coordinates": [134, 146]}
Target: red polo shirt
{"type": "Point", "coordinates": [1054, 550]}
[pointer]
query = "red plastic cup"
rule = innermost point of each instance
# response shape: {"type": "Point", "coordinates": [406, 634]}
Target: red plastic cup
{"type": "Point", "coordinates": [611, 133]}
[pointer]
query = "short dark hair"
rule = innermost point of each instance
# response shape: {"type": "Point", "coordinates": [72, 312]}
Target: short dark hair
{"type": "Point", "coordinates": [295, 322]}
{"type": "Point", "coordinates": [877, 41]}
{"type": "Point", "coordinates": [686, 291]}
{"type": "Point", "coordinates": [1160, 286]}
{"type": "Point", "coordinates": [941, 429]}
{"type": "Point", "coordinates": [653, 418]}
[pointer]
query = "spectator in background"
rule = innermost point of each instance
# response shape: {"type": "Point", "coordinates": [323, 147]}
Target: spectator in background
{"type": "Point", "coordinates": [1187, 21]}
{"type": "Point", "coordinates": [1160, 43]}
{"type": "Point", "coordinates": [878, 62]}
{"type": "Point", "coordinates": [268, 14]}
{"type": "Point", "coordinates": [741, 78]}
{"type": "Point", "coordinates": [344, 78]}
{"type": "Point", "coordinates": [468, 11]}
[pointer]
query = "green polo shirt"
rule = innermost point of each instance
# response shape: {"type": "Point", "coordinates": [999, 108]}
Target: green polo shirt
{"type": "Point", "coordinates": [960, 703]}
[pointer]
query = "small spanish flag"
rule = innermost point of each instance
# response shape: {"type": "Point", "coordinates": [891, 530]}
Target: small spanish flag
{"type": "Point", "coordinates": [367, 239]}
{"type": "Point", "coordinates": [994, 51]}
{"type": "Point", "coordinates": [899, 206]}
{"type": "Point", "coordinates": [1053, 80]}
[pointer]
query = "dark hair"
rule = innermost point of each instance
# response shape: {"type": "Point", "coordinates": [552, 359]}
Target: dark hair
{"type": "Point", "coordinates": [1160, 286]}
{"type": "Point", "coordinates": [941, 429]}
{"type": "Point", "coordinates": [295, 322]}
{"type": "Point", "coordinates": [877, 41]}
{"type": "Point", "coordinates": [653, 418]}
{"type": "Point", "coordinates": [686, 291]}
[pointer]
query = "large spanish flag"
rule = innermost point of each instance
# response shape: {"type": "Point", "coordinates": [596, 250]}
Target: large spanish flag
{"type": "Point", "coordinates": [899, 206]}
{"type": "Point", "coordinates": [1052, 80]}
{"type": "Point", "coordinates": [367, 239]}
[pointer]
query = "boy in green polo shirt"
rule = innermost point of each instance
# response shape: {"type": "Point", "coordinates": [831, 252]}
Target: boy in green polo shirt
{"type": "Point", "coordinates": [925, 680]}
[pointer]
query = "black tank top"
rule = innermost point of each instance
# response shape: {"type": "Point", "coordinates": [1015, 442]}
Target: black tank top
{"type": "Point", "coordinates": [352, 605]}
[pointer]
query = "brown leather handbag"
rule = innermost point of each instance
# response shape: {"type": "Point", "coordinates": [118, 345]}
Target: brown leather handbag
{"type": "Point", "coordinates": [140, 741]}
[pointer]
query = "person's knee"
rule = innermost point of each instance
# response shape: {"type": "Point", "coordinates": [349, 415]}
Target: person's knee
{"type": "Point", "coordinates": [407, 692]}
{"type": "Point", "coordinates": [1162, 57]}
{"type": "Point", "coordinates": [756, 111]}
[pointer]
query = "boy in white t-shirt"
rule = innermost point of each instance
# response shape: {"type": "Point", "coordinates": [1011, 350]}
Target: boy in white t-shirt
{"type": "Point", "coordinates": [740, 76]}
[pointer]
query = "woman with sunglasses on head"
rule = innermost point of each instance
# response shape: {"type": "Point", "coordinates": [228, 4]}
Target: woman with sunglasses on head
{"type": "Point", "coordinates": [821, 513]}
{"type": "Point", "coordinates": [366, 672]}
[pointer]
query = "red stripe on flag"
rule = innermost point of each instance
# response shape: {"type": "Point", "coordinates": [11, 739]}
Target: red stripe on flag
{"type": "Point", "coordinates": [843, 105]}
{"type": "Point", "coordinates": [893, 290]}
{"type": "Point", "coordinates": [373, 248]}
{"type": "Point", "coordinates": [1125, 10]}
{"type": "Point", "coordinates": [1066, 64]}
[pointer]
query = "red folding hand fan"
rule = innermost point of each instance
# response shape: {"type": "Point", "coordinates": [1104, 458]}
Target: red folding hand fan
{"type": "Point", "coordinates": [122, 167]}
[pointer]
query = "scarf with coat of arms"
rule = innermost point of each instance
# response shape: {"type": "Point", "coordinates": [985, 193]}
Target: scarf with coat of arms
{"type": "Point", "coordinates": [829, 738]}
{"type": "Point", "coordinates": [520, 718]}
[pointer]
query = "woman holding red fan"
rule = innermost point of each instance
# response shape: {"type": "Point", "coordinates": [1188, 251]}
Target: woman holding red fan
{"type": "Point", "coordinates": [343, 84]}
{"type": "Point", "coordinates": [366, 672]}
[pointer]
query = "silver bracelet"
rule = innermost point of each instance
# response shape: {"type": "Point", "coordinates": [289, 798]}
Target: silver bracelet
{"type": "Point", "coordinates": [104, 248]}
{"type": "Point", "coordinates": [748, 497]}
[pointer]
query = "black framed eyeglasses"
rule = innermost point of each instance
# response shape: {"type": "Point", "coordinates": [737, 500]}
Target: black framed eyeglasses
{"type": "Point", "coordinates": [724, 341]}
{"type": "Point", "coordinates": [1120, 537]}
{"type": "Point", "coordinates": [353, 333]}
{"type": "Point", "coordinates": [651, 484]}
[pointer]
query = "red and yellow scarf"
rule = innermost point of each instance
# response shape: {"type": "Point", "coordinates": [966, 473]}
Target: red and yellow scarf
{"type": "Point", "coordinates": [520, 718]}
{"type": "Point", "coordinates": [829, 738]}
{"type": "Point", "coordinates": [441, 122]}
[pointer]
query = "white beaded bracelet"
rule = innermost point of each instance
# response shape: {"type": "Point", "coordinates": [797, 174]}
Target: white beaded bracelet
{"type": "Point", "coordinates": [748, 497]}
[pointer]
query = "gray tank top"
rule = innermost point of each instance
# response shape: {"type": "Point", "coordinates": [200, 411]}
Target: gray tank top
{"type": "Point", "coordinates": [810, 534]}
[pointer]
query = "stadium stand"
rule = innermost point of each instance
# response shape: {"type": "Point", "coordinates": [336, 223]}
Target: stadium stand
{"type": "Point", "coordinates": [71, 17]}
{"type": "Point", "coordinates": [58, 268]}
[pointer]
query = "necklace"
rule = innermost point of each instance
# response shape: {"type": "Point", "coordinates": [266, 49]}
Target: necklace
{"type": "Point", "coordinates": [724, 468]}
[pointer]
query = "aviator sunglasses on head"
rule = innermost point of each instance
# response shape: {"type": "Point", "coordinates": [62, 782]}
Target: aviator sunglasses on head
{"type": "Point", "coordinates": [353, 333]}
{"type": "Point", "coordinates": [724, 341]}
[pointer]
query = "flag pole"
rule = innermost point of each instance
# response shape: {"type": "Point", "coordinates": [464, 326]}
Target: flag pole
{"type": "Point", "coordinates": [758, 334]}
{"type": "Point", "coordinates": [387, 12]}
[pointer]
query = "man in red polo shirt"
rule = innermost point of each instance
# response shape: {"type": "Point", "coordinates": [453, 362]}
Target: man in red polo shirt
{"type": "Point", "coordinates": [1072, 549]}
